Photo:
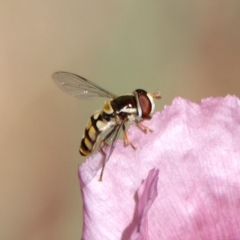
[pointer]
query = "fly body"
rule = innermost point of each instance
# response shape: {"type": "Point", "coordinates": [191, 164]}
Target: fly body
{"type": "Point", "coordinates": [104, 126]}
{"type": "Point", "coordinates": [99, 122]}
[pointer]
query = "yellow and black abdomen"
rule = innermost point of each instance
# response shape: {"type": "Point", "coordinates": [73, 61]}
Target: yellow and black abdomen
{"type": "Point", "coordinates": [99, 122]}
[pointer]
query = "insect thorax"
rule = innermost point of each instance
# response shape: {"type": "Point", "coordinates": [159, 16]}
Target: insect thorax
{"type": "Point", "coordinates": [124, 106]}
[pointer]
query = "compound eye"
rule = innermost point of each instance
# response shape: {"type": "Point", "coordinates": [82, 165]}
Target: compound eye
{"type": "Point", "coordinates": [145, 104]}
{"type": "Point", "coordinates": [141, 92]}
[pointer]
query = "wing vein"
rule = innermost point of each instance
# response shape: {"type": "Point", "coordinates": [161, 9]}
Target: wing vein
{"type": "Point", "coordinates": [79, 87]}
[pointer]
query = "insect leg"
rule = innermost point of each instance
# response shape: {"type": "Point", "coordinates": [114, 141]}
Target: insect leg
{"type": "Point", "coordinates": [143, 127]}
{"type": "Point", "coordinates": [103, 164]}
{"type": "Point", "coordinates": [126, 137]}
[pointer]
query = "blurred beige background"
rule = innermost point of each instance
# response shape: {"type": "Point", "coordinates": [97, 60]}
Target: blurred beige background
{"type": "Point", "coordinates": [183, 48]}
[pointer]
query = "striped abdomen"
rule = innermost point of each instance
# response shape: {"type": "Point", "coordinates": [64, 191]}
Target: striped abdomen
{"type": "Point", "coordinates": [98, 123]}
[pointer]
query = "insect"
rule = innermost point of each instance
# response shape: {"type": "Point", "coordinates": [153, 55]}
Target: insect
{"type": "Point", "coordinates": [105, 125]}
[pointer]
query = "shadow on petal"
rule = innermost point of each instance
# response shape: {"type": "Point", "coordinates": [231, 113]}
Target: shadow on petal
{"type": "Point", "coordinates": [145, 196]}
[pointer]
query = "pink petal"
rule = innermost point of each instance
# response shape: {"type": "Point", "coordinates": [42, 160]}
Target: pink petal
{"type": "Point", "coordinates": [196, 147]}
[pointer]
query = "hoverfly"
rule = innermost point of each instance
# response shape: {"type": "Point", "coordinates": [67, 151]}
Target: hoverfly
{"type": "Point", "coordinates": [105, 125]}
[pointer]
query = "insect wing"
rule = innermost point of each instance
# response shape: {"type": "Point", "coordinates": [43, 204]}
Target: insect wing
{"type": "Point", "coordinates": [111, 137]}
{"type": "Point", "coordinates": [89, 171]}
{"type": "Point", "coordinates": [79, 87]}
{"type": "Point", "coordinates": [110, 141]}
{"type": "Point", "coordinates": [107, 141]}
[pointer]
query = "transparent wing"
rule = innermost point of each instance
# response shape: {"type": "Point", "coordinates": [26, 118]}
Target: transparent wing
{"type": "Point", "coordinates": [79, 87]}
{"type": "Point", "coordinates": [110, 140]}
{"type": "Point", "coordinates": [89, 171]}
{"type": "Point", "coordinates": [107, 149]}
